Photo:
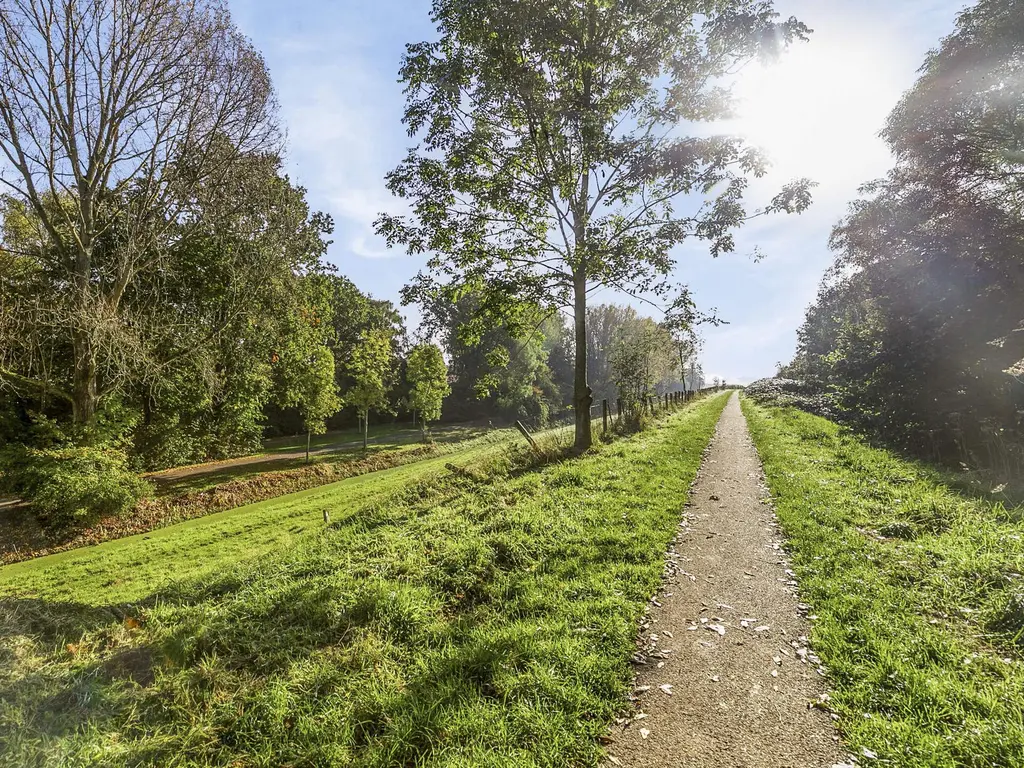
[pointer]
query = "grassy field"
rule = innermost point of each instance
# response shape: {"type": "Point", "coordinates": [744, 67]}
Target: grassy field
{"type": "Point", "coordinates": [183, 480]}
{"type": "Point", "coordinates": [391, 434]}
{"type": "Point", "coordinates": [478, 617]}
{"type": "Point", "coordinates": [918, 592]}
{"type": "Point", "coordinates": [136, 566]}
{"type": "Point", "coordinates": [293, 443]}
{"type": "Point", "coordinates": [333, 447]}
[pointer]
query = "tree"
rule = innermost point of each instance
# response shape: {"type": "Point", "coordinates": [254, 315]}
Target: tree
{"type": "Point", "coordinates": [919, 325]}
{"type": "Point", "coordinates": [427, 374]}
{"type": "Point", "coordinates": [209, 332]}
{"type": "Point", "coordinates": [681, 321]}
{"type": "Point", "coordinates": [641, 356]}
{"type": "Point", "coordinates": [369, 366]}
{"type": "Point", "coordinates": [306, 367]}
{"type": "Point", "coordinates": [119, 122]}
{"type": "Point", "coordinates": [604, 326]}
{"type": "Point", "coordinates": [551, 160]}
{"type": "Point", "coordinates": [497, 367]}
{"type": "Point", "coordinates": [354, 313]}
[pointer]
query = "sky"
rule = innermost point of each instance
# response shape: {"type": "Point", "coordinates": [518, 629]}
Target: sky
{"type": "Point", "coordinates": [817, 113]}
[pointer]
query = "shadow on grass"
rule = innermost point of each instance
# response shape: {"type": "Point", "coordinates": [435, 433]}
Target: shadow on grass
{"type": "Point", "coordinates": [466, 612]}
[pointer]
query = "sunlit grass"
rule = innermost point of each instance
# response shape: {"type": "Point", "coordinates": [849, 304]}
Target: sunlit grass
{"type": "Point", "coordinates": [918, 590]}
{"type": "Point", "coordinates": [478, 617]}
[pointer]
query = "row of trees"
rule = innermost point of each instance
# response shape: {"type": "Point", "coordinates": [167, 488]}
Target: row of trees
{"type": "Point", "coordinates": [918, 332]}
{"type": "Point", "coordinates": [501, 372]}
{"type": "Point", "coordinates": [163, 294]}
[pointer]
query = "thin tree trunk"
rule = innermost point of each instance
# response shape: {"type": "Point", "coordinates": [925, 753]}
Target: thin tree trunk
{"type": "Point", "coordinates": [366, 428]}
{"type": "Point", "coordinates": [84, 396]}
{"type": "Point", "coordinates": [582, 394]}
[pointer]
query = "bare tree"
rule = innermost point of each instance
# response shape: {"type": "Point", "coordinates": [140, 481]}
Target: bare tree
{"type": "Point", "coordinates": [116, 118]}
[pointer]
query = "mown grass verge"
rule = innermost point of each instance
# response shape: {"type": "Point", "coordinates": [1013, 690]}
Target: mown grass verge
{"type": "Point", "coordinates": [258, 482]}
{"type": "Point", "coordinates": [483, 617]}
{"type": "Point", "coordinates": [918, 592]}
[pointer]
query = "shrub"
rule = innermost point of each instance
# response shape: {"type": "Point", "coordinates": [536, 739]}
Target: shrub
{"type": "Point", "coordinates": [804, 395]}
{"type": "Point", "coordinates": [72, 486]}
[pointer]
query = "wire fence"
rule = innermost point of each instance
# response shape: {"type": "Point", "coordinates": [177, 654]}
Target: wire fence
{"type": "Point", "coordinates": [608, 414]}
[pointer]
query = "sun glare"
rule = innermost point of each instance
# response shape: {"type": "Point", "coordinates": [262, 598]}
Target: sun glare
{"type": "Point", "coordinates": [817, 112]}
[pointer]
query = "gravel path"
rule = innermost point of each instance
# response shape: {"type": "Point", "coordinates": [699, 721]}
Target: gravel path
{"type": "Point", "coordinates": [727, 635]}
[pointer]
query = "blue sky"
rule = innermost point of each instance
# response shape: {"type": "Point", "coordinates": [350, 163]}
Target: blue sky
{"type": "Point", "coordinates": [335, 65]}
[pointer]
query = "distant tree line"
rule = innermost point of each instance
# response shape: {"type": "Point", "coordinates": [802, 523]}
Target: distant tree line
{"type": "Point", "coordinates": [918, 332]}
{"type": "Point", "coordinates": [501, 375]}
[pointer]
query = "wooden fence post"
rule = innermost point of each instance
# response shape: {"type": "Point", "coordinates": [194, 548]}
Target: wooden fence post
{"type": "Point", "coordinates": [525, 432]}
{"type": "Point", "coordinates": [604, 415]}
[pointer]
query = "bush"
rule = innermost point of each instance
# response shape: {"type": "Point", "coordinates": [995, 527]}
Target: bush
{"type": "Point", "coordinates": [804, 395]}
{"type": "Point", "coordinates": [72, 486]}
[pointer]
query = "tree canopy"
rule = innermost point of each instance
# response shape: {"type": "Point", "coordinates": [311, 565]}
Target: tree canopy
{"type": "Point", "coordinates": [553, 159]}
{"type": "Point", "coordinates": [427, 373]}
{"type": "Point", "coordinates": [918, 331]}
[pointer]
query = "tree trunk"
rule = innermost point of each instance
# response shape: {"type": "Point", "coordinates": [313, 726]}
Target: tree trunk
{"type": "Point", "coordinates": [582, 395]}
{"type": "Point", "coordinates": [84, 396]}
{"type": "Point", "coordinates": [366, 427]}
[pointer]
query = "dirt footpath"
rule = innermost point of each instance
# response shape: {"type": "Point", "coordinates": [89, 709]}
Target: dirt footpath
{"type": "Point", "coordinates": [728, 680]}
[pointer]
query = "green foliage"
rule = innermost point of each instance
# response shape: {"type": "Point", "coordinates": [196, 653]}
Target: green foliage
{"type": "Point", "coordinates": [353, 314]}
{"type": "Point", "coordinates": [427, 374]}
{"type": "Point", "coordinates": [550, 160]}
{"type": "Point", "coordinates": [807, 396]}
{"type": "Point", "coordinates": [72, 486]}
{"type": "Point", "coordinates": [917, 593]}
{"type": "Point", "coordinates": [369, 367]}
{"type": "Point", "coordinates": [194, 353]}
{"type": "Point", "coordinates": [918, 332]}
{"type": "Point", "coordinates": [642, 355]}
{"type": "Point", "coordinates": [154, 173]}
{"type": "Point", "coordinates": [443, 612]}
{"type": "Point", "coordinates": [499, 368]}
{"type": "Point", "coordinates": [305, 365]}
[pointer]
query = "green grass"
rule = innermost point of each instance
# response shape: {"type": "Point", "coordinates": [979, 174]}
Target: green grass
{"type": "Point", "coordinates": [918, 592]}
{"type": "Point", "coordinates": [333, 447]}
{"type": "Point", "coordinates": [290, 443]}
{"type": "Point", "coordinates": [398, 441]}
{"type": "Point", "coordinates": [478, 617]}
{"type": "Point", "coordinates": [136, 566]}
{"type": "Point", "coordinates": [346, 440]}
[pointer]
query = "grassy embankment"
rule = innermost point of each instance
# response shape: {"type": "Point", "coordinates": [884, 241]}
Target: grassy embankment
{"type": "Point", "coordinates": [387, 443]}
{"type": "Point", "coordinates": [484, 616]}
{"type": "Point", "coordinates": [219, 489]}
{"type": "Point", "coordinates": [918, 592]}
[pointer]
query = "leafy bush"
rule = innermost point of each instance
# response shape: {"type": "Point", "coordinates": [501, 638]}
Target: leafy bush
{"type": "Point", "coordinates": [72, 486]}
{"type": "Point", "coordinates": [804, 395]}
